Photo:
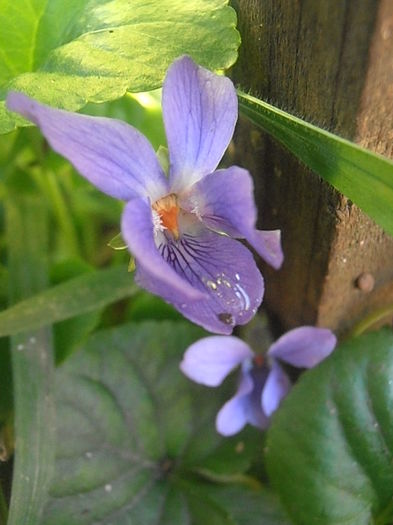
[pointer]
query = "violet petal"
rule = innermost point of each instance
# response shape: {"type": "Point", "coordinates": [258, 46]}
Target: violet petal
{"type": "Point", "coordinates": [304, 347]}
{"type": "Point", "coordinates": [200, 113]}
{"type": "Point", "coordinates": [225, 202]}
{"type": "Point", "coordinates": [138, 232]}
{"type": "Point", "coordinates": [217, 265]}
{"type": "Point", "coordinates": [209, 360]}
{"type": "Point", "coordinates": [233, 415]}
{"type": "Point", "coordinates": [111, 154]}
{"type": "Point", "coordinates": [276, 387]}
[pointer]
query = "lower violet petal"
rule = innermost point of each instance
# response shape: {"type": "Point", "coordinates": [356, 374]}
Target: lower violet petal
{"type": "Point", "coordinates": [233, 415]}
{"type": "Point", "coordinates": [216, 265]}
{"type": "Point", "coordinates": [276, 387]}
{"type": "Point", "coordinates": [138, 232]}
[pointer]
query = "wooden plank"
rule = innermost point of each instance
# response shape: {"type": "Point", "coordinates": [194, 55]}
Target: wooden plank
{"type": "Point", "coordinates": [312, 59]}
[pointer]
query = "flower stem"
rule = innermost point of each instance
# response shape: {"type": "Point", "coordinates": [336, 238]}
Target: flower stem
{"type": "Point", "coordinates": [371, 320]}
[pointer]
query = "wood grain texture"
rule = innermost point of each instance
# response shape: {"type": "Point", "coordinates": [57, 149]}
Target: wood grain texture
{"type": "Point", "coordinates": [317, 60]}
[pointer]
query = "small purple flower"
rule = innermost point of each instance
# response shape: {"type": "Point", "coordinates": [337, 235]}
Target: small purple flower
{"type": "Point", "coordinates": [263, 383]}
{"type": "Point", "coordinates": [180, 228]}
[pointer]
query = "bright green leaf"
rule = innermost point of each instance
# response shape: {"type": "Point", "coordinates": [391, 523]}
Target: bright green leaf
{"type": "Point", "coordinates": [68, 53]}
{"type": "Point", "coordinates": [127, 420]}
{"type": "Point", "coordinates": [330, 447]}
{"type": "Point", "coordinates": [363, 176]}
{"type": "Point", "coordinates": [81, 294]}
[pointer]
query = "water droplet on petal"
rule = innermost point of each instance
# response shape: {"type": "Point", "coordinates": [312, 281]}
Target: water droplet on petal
{"type": "Point", "coordinates": [237, 277]}
{"type": "Point", "coordinates": [212, 285]}
{"type": "Point", "coordinates": [242, 294]}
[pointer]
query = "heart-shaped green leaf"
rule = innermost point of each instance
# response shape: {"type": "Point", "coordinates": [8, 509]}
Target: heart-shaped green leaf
{"type": "Point", "coordinates": [330, 448]}
{"type": "Point", "coordinates": [68, 53]}
{"type": "Point", "coordinates": [136, 439]}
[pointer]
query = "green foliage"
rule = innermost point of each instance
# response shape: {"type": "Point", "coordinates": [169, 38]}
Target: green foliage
{"type": "Point", "coordinates": [78, 295]}
{"type": "Point", "coordinates": [330, 451]}
{"type": "Point", "coordinates": [32, 364]}
{"type": "Point", "coordinates": [69, 53]}
{"type": "Point", "coordinates": [133, 433]}
{"type": "Point", "coordinates": [363, 176]}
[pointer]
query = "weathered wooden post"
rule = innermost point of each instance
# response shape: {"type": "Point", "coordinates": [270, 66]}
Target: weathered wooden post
{"type": "Point", "coordinates": [330, 63]}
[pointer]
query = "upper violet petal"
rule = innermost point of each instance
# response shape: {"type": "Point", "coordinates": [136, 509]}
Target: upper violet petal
{"type": "Point", "coordinates": [218, 266]}
{"type": "Point", "coordinates": [209, 360]}
{"type": "Point", "coordinates": [232, 417]}
{"type": "Point", "coordinates": [200, 113]}
{"type": "Point", "coordinates": [276, 387]}
{"type": "Point", "coordinates": [304, 347]}
{"type": "Point", "coordinates": [225, 202]}
{"type": "Point", "coordinates": [111, 154]}
{"type": "Point", "coordinates": [138, 232]}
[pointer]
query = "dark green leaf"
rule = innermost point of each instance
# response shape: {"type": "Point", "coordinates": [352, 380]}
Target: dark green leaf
{"type": "Point", "coordinates": [247, 507]}
{"type": "Point", "coordinates": [32, 365]}
{"type": "Point", "coordinates": [127, 430]}
{"type": "Point", "coordinates": [68, 53]}
{"type": "Point", "coordinates": [363, 176]}
{"type": "Point", "coordinates": [330, 448]}
{"type": "Point", "coordinates": [79, 295]}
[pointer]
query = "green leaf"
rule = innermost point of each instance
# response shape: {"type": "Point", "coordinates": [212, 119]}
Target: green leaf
{"type": "Point", "coordinates": [78, 51]}
{"type": "Point", "coordinates": [81, 294]}
{"type": "Point", "coordinates": [128, 422]}
{"type": "Point", "coordinates": [330, 447]}
{"type": "Point", "coordinates": [32, 365]}
{"type": "Point", "coordinates": [246, 507]}
{"type": "Point", "coordinates": [363, 176]}
{"type": "Point", "coordinates": [71, 332]}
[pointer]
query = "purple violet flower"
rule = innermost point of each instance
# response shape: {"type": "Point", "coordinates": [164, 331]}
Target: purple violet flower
{"type": "Point", "coordinates": [262, 383]}
{"type": "Point", "coordinates": [180, 228]}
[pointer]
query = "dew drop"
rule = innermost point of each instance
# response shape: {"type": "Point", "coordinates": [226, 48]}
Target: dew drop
{"type": "Point", "coordinates": [211, 285]}
{"type": "Point", "coordinates": [33, 340]}
{"type": "Point", "coordinates": [108, 487]}
{"type": "Point", "coordinates": [20, 347]}
{"type": "Point", "coordinates": [225, 318]}
{"type": "Point", "coordinates": [244, 296]}
{"type": "Point", "coordinates": [237, 277]}
{"type": "Point", "coordinates": [184, 305]}
{"type": "Point", "coordinates": [89, 455]}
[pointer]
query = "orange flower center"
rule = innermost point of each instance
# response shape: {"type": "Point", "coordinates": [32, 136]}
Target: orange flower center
{"type": "Point", "coordinates": [168, 210]}
{"type": "Point", "coordinates": [258, 360]}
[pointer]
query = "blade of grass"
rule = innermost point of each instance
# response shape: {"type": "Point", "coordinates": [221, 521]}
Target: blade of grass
{"type": "Point", "coordinates": [81, 294]}
{"type": "Point", "coordinates": [32, 365]}
{"type": "Point", "coordinates": [361, 175]}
